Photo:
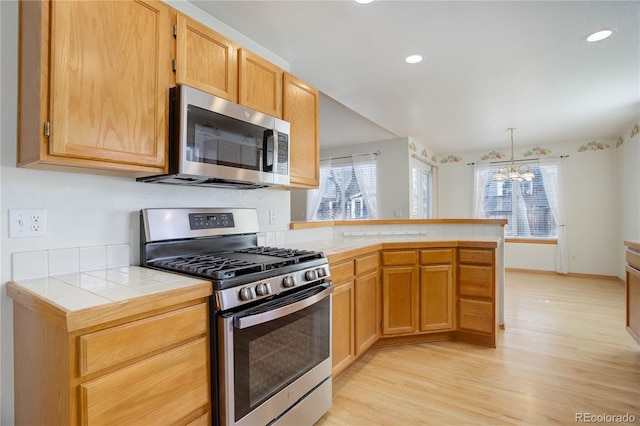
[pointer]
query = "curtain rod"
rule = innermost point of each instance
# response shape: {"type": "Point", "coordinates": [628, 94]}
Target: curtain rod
{"type": "Point", "coordinates": [427, 162]}
{"type": "Point", "coordinates": [515, 161]}
{"type": "Point", "coordinates": [349, 156]}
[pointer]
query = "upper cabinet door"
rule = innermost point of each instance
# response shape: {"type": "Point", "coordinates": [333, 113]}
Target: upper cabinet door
{"type": "Point", "coordinates": [205, 59]}
{"type": "Point", "coordinates": [301, 109]}
{"type": "Point", "coordinates": [110, 72]}
{"type": "Point", "coordinates": [260, 84]}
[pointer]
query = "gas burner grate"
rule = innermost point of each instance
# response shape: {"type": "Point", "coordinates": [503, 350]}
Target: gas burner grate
{"type": "Point", "coordinates": [207, 266]}
{"type": "Point", "coordinates": [298, 255]}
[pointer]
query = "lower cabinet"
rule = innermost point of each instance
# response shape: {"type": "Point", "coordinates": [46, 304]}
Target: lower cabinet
{"type": "Point", "coordinates": [418, 291]}
{"type": "Point", "coordinates": [436, 298]}
{"type": "Point", "coordinates": [400, 294]}
{"type": "Point", "coordinates": [356, 309]}
{"type": "Point", "coordinates": [343, 350]}
{"type": "Point", "coordinates": [476, 295]}
{"type": "Point", "coordinates": [144, 369]}
{"type": "Point", "coordinates": [412, 295]}
{"type": "Point", "coordinates": [168, 386]}
{"type": "Point", "coordinates": [632, 287]}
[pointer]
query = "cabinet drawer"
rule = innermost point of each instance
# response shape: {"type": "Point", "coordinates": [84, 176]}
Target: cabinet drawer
{"type": "Point", "coordinates": [366, 263]}
{"type": "Point", "coordinates": [475, 281]}
{"type": "Point", "coordinates": [476, 257]}
{"type": "Point", "coordinates": [439, 256]}
{"type": "Point", "coordinates": [390, 258]}
{"type": "Point", "coordinates": [341, 272]}
{"type": "Point", "coordinates": [476, 316]}
{"type": "Point", "coordinates": [633, 258]}
{"type": "Point", "coordinates": [113, 346]}
{"type": "Point", "coordinates": [166, 388]}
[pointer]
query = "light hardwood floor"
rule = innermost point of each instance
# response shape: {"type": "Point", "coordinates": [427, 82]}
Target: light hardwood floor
{"type": "Point", "coordinates": [565, 351]}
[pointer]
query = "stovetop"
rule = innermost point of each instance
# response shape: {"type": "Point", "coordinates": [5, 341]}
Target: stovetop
{"type": "Point", "coordinates": [247, 261]}
{"type": "Point", "coordinates": [220, 245]}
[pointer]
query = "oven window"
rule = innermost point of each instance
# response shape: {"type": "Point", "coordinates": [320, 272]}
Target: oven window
{"type": "Point", "coordinates": [269, 356]}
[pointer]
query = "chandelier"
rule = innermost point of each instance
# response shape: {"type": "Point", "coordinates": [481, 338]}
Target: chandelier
{"type": "Point", "coordinates": [513, 173]}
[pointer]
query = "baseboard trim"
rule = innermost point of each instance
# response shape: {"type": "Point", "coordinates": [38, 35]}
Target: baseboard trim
{"type": "Point", "coordinates": [570, 274]}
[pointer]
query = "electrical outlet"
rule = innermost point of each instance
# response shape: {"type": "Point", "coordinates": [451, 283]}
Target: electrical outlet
{"type": "Point", "coordinates": [272, 217]}
{"type": "Point", "coordinates": [27, 223]}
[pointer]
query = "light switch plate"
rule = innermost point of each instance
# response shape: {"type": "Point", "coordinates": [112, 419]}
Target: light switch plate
{"type": "Point", "coordinates": [27, 223]}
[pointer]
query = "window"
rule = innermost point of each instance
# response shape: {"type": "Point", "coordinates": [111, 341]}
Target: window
{"type": "Point", "coordinates": [421, 194]}
{"type": "Point", "coordinates": [347, 190]}
{"type": "Point", "coordinates": [526, 205]}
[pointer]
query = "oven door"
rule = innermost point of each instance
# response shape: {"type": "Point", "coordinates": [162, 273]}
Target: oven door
{"type": "Point", "coordinates": [275, 360]}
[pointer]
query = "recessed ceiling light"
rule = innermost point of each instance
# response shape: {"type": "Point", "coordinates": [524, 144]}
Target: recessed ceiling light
{"type": "Point", "coordinates": [363, 1]}
{"type": "Point", "coordinates": [413, 59]}
{"type": "Point", "coordinates": [600, 34]}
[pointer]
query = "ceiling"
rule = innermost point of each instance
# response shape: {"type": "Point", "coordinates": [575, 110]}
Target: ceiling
{"type": "Point", "coordinates": [488, 65]}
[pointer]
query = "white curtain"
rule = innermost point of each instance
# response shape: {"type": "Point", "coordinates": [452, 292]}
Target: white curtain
{"type": "Point", "coordinates": [342, 177]}
{"type": "Point", "coordinates": [364, 168]}
{"type": "Point", "coordinates": [481, 178]}
{"type": "Point", "coordinates": [314, 196]}
{"type": "Point", "coordinates": [551, 171]}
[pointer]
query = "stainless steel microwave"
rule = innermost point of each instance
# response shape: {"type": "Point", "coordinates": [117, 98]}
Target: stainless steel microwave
{"type": "Point", "coordinates": [215, 142]}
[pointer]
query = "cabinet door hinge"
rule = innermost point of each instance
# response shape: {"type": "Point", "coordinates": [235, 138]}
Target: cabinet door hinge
{"type": "Point", "coordinates": [174, 64]}
{"type": "Point", "coordinates": [382, 325]}
{"type": "Point", "coordinates": [175, 31]}
{"type": "Point", "coordinates": [47, 129]}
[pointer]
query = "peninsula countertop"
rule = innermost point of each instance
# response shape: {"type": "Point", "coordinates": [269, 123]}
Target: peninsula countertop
{"type": "Point", "coordinates": [338, 248]}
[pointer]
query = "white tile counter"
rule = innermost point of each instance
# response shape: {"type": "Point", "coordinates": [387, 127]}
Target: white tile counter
{"type": "Point", "coordinates": [93, 288]}
{"type": "Point", "coordinates": [83, 299]}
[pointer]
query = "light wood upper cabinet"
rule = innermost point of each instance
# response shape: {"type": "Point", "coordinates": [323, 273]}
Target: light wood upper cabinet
{"type": "Point", "coordinates": [301, 109]}
{"type": "Point", "coordinates": [259, 84]}
{"type": "Point", "coordinates": [94, 78]}
{"type": "Point", "coordinates": [205, 59]}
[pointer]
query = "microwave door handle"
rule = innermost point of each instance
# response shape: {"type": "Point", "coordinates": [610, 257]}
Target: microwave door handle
{"type": "Point", "coordinates": [263, 317]}
{"type": "Point", "coordinates": [267, 139]}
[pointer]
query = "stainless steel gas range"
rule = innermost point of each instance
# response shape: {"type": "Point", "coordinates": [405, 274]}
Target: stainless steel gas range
{"type": "Point", "coordinates": [270, 321]}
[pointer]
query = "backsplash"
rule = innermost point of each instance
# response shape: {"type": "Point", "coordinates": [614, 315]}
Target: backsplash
{"type": "Point", "coordinates": [43, 263]}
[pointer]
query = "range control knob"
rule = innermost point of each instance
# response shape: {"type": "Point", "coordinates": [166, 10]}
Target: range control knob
{"type": "Point", "coordinates": [288, 282]}
{"type": "Point", "coordinates": [262, 289]}
{"type": "Point", "coordinates": [311, 275]}
{"type": "Point", "coordinates": [321, 273]}
{"type": "Point", "coordinates": [245, 294]}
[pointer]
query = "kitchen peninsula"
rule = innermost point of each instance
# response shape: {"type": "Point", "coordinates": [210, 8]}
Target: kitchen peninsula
{"type": "Point", "coordinates": [407, 281]}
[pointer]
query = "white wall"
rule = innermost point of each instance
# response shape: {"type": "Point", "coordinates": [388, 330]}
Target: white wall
{"type": "Point", "coordinates": [591, 202]}
{"type": "Point", "coordinates": [88, 210]}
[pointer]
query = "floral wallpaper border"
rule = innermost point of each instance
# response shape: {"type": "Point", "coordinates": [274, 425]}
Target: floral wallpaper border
{"type": "Point", "coordinates": [537, 151]}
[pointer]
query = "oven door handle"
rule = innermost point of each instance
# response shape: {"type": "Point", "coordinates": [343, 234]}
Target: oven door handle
{"type": "Point", "coordinates": [250, 321]}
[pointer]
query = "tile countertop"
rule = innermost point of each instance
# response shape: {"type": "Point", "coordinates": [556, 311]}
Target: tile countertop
{"type": "Point", "coordinates": [106, 294]}
{"type": "Point", "coordinates": [341, 247]}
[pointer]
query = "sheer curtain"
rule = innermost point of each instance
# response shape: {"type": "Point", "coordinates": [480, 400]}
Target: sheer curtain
{"type": "Point", "coordinates": [314, 196]}
{"type": "Point", "coordinates": [364, 168]}
{"type": "Point", "coordinates": [551, 171]}
{"type": "Point", "coordinates": [342, 177]}
{"type": "Point", "coordinates": [481, 174]}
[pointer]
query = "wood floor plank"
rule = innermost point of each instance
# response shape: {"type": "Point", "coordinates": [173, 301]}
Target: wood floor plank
{"type": "Point", "coordinates": [564, 351]}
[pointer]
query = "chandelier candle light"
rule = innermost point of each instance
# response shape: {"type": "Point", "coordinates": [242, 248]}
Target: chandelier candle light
{"type": "Point", "coordinates": [514, 173]}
